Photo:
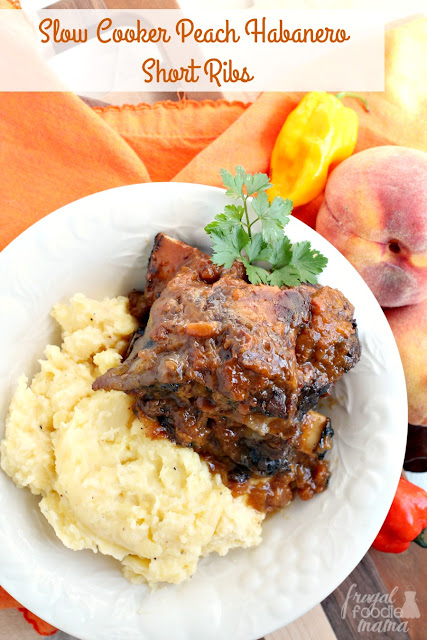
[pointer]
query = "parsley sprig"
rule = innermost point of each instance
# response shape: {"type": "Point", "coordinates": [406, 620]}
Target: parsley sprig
{"type": "Point", "coordinates": [268, 255]}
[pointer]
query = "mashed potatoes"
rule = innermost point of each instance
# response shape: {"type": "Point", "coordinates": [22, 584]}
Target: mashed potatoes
{"type": "Point", "coordinates": [104, 485]}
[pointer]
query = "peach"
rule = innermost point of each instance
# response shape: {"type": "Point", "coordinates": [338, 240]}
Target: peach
{"type": "Point", "coordinates": [375, 212]}
{"type": "Point", "coordinates": [409, 326]}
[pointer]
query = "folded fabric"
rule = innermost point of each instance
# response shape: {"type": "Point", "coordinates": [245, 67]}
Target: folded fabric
{"type": "Point", "coordinates": [55, 149]}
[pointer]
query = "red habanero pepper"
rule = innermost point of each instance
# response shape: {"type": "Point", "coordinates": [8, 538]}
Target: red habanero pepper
{"type": "Point", "coordinates": [406, 521]}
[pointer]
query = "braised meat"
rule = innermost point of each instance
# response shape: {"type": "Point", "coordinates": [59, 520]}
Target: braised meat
{"type": "Point", "coordinates": [233, 369]}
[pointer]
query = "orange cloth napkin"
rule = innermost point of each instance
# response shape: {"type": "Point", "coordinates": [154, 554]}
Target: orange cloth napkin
{"type": "Point", "coordinates": [55, 149]}
{"type": "Point", "coordinates": [40, 626]}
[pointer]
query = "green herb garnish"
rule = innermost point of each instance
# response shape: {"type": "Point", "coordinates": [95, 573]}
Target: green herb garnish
{"type": "Point", "coordinates": [234, 237]}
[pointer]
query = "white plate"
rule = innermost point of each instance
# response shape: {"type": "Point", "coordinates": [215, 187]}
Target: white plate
{"type": "Point", "coordinates": [100, 245]}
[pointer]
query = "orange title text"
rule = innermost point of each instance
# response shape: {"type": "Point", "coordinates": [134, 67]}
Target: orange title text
{"type": "Point", "coordinates": [219, 71]}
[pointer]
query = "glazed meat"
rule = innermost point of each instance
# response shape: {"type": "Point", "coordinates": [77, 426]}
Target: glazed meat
{"type": "Point", "coordinates": [233, 369]}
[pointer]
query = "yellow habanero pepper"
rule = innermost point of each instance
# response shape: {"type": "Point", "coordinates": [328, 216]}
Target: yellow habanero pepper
{"type": "Point", "coordinates": [319, 133]}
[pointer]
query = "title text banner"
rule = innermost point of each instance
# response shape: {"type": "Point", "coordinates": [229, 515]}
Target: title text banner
{"type": "Point", "coordinates": [167, 50]}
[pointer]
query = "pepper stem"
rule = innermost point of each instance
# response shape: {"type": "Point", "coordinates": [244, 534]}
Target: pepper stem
{"type": "Point", "coordinates": [349, 94]}
{"type": "Point", "coordinates": [420, 539]}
